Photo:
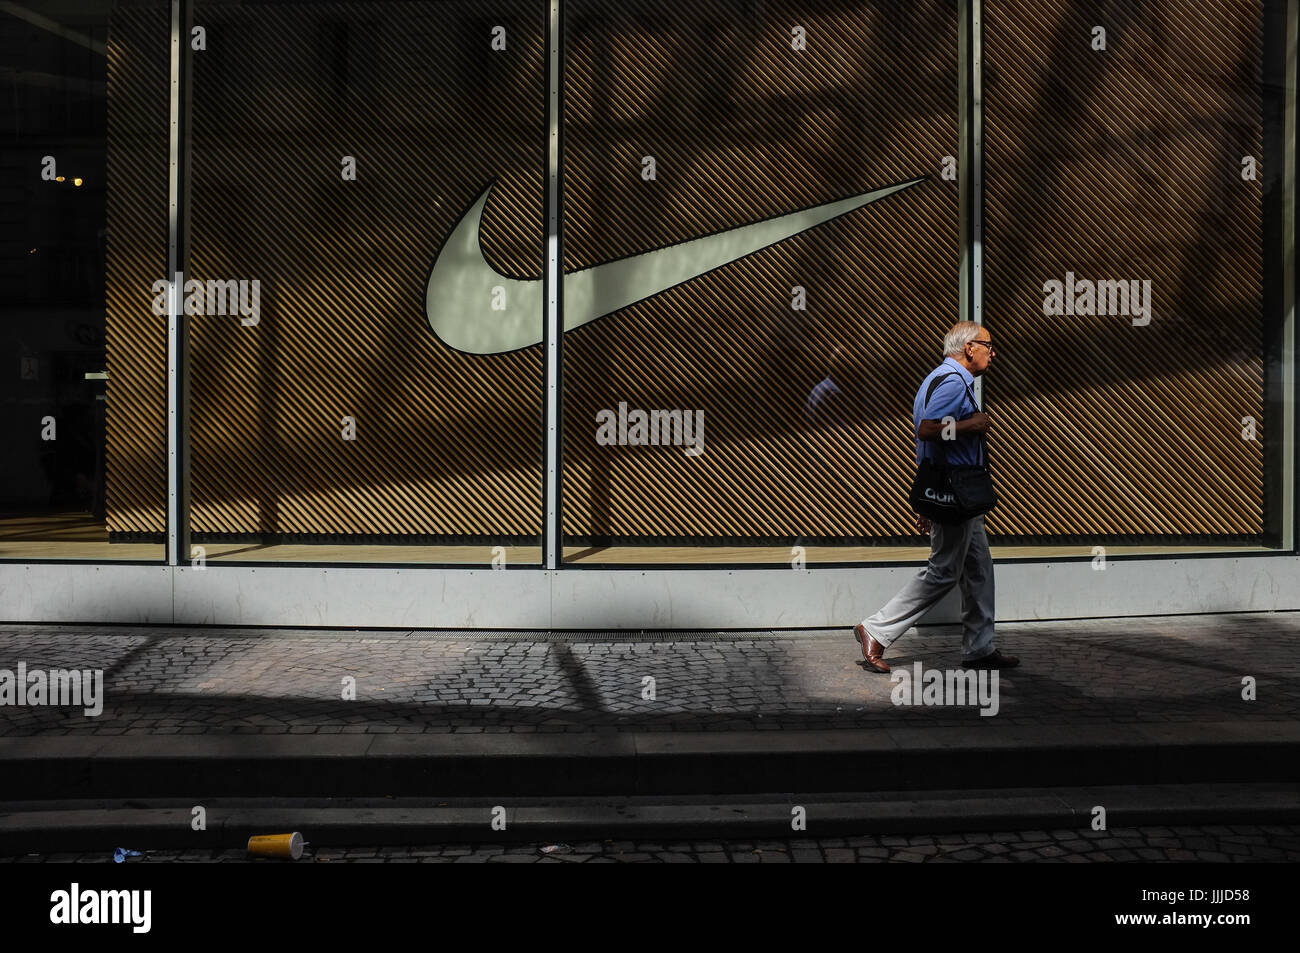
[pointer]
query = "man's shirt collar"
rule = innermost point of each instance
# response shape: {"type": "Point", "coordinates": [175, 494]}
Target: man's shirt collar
{"type": "Point", "coordinates": [966, 375]}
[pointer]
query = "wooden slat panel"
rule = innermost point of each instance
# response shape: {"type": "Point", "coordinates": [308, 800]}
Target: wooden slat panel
{"type": "Point", "coordinates": [1122, 164]}
{"type": "Point", "coordinates": [745, 128]}
{"type": "Point", "coordinates": [447, 443]}
{"type": "Point", "coordinates": [1103, 429]}
{"type": "Point", "coordinates": [136, 455]}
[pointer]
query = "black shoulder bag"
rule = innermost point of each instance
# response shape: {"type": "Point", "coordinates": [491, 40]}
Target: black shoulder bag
{"type": "Point", "coordinates": [952, 493]}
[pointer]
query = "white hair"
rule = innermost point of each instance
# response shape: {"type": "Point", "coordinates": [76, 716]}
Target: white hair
{"type": "Point", "coordinates": [958, 336]}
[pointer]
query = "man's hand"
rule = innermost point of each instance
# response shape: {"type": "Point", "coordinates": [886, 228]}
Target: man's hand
{"type": "Point", "coordinates": [922, 524]}
{"type": "Point", "coordinates": [977, 422]}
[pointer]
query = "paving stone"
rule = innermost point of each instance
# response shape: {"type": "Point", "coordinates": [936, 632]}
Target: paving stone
{"type": "Point", "coordinates": [873, 853]}
{"type": "Point", "coordinates": [863, 841]}
{"type": "Point", "coordinates": [1267, 853]}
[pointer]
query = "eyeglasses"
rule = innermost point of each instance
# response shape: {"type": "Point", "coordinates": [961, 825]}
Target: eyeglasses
{"type": "Point", "coordinates": [987, 344]}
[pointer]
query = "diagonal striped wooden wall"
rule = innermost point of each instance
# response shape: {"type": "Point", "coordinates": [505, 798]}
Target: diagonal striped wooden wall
{"type": "Point", "coordinates": [136, 338]}
{"type": "Point", "coordinates": [744, 127]}
{"type": "Point", "coordinates": [1103, 428]}
{"type": "Point", "coordinates": [446, 443]}
{"type": "Point", "coordinates": [1126, 163]}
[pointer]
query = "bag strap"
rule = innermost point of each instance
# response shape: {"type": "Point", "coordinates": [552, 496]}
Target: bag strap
{"type": "Point", "coordinates": [935, 383]}
{"type": "Point", "coordinates": [943, 450]}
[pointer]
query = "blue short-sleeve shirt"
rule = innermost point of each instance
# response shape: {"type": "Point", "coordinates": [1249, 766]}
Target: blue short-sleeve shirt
{"type": "Point", "coordinates": [953, 397]}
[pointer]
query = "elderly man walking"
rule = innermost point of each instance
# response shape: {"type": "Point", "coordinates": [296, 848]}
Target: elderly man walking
{"type": "Point", "coordinates": [959, 552]}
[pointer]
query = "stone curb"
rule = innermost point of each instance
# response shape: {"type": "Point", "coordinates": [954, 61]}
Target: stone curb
{"type": "Point", "coordinates": [646, 764]}
{"type": "Point", "coordinates": [96, 828]}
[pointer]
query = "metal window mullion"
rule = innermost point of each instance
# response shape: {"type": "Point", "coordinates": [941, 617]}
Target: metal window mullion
{"type": "Point", "coordinates": [963, 161]}
{"type": "Point", "coordinates": [554, 289]}
{"type": "Point", "coordinates": [1290, 463]}
{"type": "Point", "coordinates": [977, 171]}
{"type": "Point", "coordinates": [970, 170]}
{"type": "Point", "coordinates": [178, 495]}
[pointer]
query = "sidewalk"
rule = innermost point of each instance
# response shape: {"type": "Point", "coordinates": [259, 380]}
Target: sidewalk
{"type": "Point", "coordinates": [564, 735]}
{"type": "Point", "coordinates": [1084, 675]}
{"type": "Point", "coordinates": [290, 681]}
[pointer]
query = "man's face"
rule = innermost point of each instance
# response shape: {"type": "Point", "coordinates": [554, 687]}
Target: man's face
{"type": "Point", "coordinates": [979, 352]}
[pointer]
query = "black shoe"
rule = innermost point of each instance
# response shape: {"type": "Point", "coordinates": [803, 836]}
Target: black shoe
{"type": "Point", "coordinates": [994, 659]}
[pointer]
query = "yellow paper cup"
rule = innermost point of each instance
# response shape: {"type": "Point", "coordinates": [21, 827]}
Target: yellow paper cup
{"type": "Point", "coordinates": [276, 845]}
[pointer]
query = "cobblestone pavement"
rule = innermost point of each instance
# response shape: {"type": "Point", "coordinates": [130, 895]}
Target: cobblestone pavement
{"type": "Point", "coordinates": [1222, 844]}
{"type": "Point", "coordinates": [173, 680]}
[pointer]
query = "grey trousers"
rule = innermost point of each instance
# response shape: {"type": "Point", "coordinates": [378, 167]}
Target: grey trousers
{"type": "Point", "coordinates": [959, 555]}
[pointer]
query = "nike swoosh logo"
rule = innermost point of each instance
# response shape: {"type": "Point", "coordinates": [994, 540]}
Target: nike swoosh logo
{"type": "Point", "coordinates": [460, 293]}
